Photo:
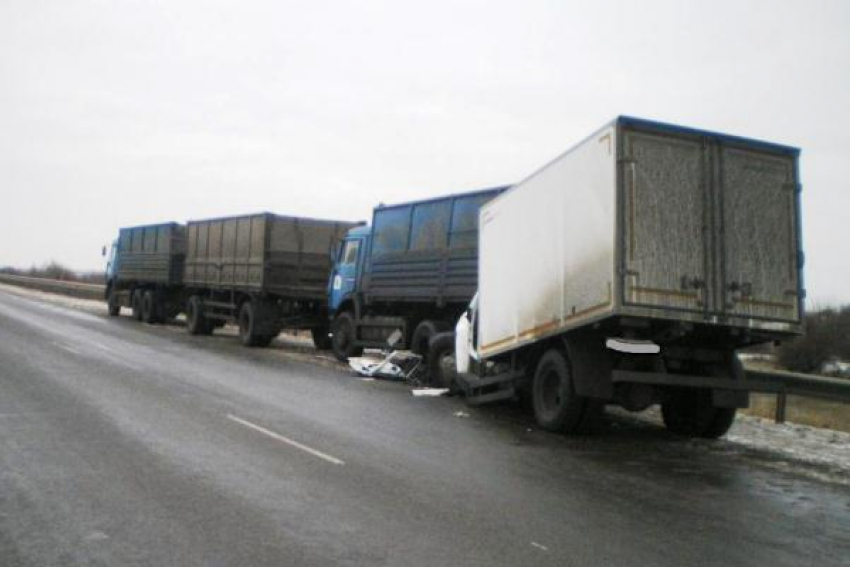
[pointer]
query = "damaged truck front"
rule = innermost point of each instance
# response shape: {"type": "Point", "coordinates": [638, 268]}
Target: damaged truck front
{"type": "Point", "coordinates": [629, 270]}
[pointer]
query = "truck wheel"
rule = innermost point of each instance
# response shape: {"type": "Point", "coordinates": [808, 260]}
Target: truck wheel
{"type": "Point", "coordinates": [321, 338]}
{"type": "Point", "coordinates": [342, 339]}
{"type": "Point", "coordinates": [556, 405]}
{"type": "Point", "coordinates": [441, 361]}
{"type": "Point", "coordinates": [112, 306]}
{"type": "Point", "coordinates": [248, 334]}
{"type": "Point", "coordinates": [424, 332]}
{"type": "Point", "coordinates": [136, 304]}
{"type": "Point", "coordinates": [690, 412]}
{"type": "Point", "coordinates": [196, 323]}
{"type": "Point", "coordinates": [149, 311]}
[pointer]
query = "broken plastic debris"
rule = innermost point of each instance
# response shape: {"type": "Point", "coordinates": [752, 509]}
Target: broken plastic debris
{"type": "Point", "coordinates": [399, 364]}
{"type": "Point", "coordinates": [429, 392]}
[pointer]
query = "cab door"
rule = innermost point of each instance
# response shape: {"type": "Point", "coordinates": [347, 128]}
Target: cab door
{"type": "Point", "coordinates": [344, 280]}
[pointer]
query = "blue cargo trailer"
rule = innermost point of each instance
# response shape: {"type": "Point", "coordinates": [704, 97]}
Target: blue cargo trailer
{"type": "Point", "coordinates": [413, 270]}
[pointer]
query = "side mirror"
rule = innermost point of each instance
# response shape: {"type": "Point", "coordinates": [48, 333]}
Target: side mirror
{"type": "Point", "coordinates": [103, 251]}
{"type": "Point", "coordinates": [334, 252]}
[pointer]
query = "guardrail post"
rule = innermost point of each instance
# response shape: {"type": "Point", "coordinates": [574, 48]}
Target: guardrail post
{"type": "Point", "coordinates": [781, 399]}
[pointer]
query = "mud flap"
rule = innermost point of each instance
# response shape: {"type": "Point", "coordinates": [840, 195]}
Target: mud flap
{"type": "Point", "coordinates": [591, 364]}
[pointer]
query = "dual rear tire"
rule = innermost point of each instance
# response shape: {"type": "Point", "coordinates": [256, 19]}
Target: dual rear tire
{"type": "Point", "coordinates": [196, 322]}
{"type": "Point", "coordinates": [690, 412]}
{"type": "Point", "coordinates": [150, 307]}
{"type": "Point", "coordinates": [251, 332]}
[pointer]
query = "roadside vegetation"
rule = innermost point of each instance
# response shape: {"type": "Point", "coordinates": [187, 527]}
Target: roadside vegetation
{"type": "Point", "coordinates": [827, 339]}
{"type": "Point", "coordinates": [56, 271]}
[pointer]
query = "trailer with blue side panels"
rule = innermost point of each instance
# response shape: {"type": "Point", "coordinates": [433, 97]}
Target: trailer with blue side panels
{"type": "Point", "coordinates": [413, 270]}
{"type": "Point", "coordinates": [145, 271]}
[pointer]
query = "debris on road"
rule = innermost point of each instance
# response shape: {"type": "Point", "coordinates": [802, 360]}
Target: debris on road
{"type": "Point", "coordinates": [397, 365]}
{"type": "Point", "coordinates": [460, 414]}
{"type": "Point", "coordinates": [429, 392]}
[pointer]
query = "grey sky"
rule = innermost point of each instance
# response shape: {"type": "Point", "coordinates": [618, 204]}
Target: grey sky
{"type": "Point", "coordinates": [124, 113]}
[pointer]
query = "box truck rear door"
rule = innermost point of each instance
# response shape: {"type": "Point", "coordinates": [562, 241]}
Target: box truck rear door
{"type": "Point", "coordinates": [664, 224]}
{"type": "Point", "coordinates": [759, 233]}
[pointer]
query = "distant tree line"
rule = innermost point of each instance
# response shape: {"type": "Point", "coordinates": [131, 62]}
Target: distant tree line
{"type": "Point", "coordinates": [56, 271]}
{"type": "Point", "coordinates": [827, 337]}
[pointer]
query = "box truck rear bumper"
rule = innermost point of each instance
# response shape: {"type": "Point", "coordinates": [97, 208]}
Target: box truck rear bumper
{"type": "Point", "coordinates": [727, 392]}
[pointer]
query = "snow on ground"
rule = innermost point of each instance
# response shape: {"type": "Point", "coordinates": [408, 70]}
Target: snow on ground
{"type": "Point", "coordinates": [91, 305]}
{"type": "Point", "coordinates": [818, 453]}
{"type": "Point", "coordinates": [794, 441]}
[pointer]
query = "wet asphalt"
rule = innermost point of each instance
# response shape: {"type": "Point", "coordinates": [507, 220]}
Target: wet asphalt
{"type": "Point", "coordinates": [126, 444]}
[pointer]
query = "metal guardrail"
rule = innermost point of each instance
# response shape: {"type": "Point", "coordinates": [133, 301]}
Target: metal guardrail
{"type": "Point", "coordinates": [776, 382]}
{"type": "Point", "coordinates": [76, 289]}
{"type": "Point", "coordinates": [784, 384]}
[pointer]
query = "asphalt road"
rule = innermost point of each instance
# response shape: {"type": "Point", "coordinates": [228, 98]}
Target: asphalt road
{"type": "Point", "coordinates": [123, 444]}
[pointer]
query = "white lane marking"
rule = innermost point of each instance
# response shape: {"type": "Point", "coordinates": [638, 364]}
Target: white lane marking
{"type": "Point", "coordinates": [539, 546]}
{"type": "Point", "coordinates": [287, 440]}
{"type": "Point", "coordinates": [69, 349]}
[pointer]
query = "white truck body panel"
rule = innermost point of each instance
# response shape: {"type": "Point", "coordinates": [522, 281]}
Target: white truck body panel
{"type": "Point", "coordinates": [535, 277]}
{"type": "Point", "coordinates": [644, 220]}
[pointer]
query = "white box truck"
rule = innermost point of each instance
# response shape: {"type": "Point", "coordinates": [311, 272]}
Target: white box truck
{"type": "Point", "coordinates": [629, 270]}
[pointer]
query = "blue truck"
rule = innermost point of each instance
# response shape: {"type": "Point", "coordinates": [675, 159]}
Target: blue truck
{"type": "Point", "coordinates": [413, 270]}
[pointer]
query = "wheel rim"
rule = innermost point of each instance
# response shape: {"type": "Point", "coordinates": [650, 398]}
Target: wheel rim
{"type": "Point", "coordinates": [550, 391]}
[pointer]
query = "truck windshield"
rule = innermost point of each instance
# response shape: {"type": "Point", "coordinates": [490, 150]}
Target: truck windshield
{"type": "Point", "coordinates": [349, 255]}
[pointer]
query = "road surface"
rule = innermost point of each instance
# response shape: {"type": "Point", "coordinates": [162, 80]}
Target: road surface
{"type": "Point", "coordinates": [124, 444]}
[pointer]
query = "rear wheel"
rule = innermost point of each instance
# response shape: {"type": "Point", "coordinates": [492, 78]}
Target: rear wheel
{"type": "Point", "coordinates": [442, 372]}
{"type": "Point", "coordinates": [196, 323]}
{"type": "Point", "coordinates": [136, 304]}
{"type": "Point", "coordinates": [556, 405]}
{"type": "Point", "coordinates": [149, 307]}
{"type": "Point", "coordinates": [112, 304]}
{"type": "Point", "coordinates": [690, 412]}
{"type": "Point", "coordinates": [342, 339]}
{"type": "Point", "coordinates": [424, 332]}
{"type": "Point", "coordinates": [249, 334]}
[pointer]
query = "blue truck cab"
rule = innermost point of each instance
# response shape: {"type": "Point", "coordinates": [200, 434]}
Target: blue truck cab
{"type": "Point", "coordinates": [348, 267]}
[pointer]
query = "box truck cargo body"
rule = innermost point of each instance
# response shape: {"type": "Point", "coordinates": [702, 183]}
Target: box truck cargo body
{"type": "Point", "coordinates": [651, 236]}
{"type": "Point", "coordinates": [265, 272]}
{"type": "Point", "coordinates": [145, 271]}
{"type": "Point", "coordinates": [414, 271]}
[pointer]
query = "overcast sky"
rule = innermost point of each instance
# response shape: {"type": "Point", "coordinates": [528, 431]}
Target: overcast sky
{"type": "Point", "coordinates": [125, 113]}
